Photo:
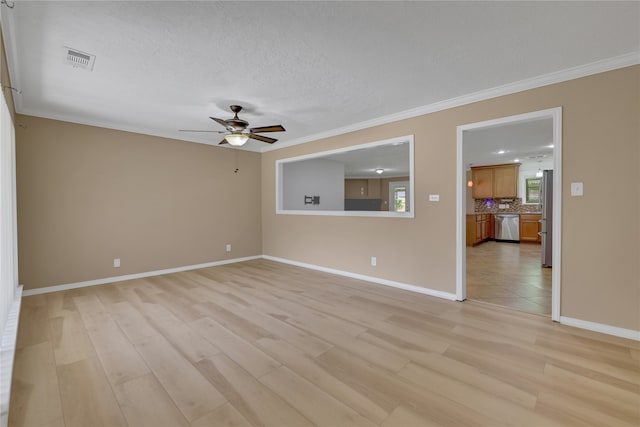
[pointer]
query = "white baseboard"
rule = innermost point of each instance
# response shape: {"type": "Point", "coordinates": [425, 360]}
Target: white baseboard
{"type": "Point", "coordinates": [385, 282]}
{"type": "Point", "coordinates": [7, 355]}
{"type": "Point", "coordinates": [15, 310]}
{"type": "Point", "coordinates": [602, 328]}
{"type": "Point", "coordinates": [76, 285]}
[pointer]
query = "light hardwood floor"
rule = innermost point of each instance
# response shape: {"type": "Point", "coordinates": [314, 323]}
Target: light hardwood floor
{"type": "Point", "coordinates": [510, 275]}
{"type": "Point", "coordinates": [266, 344]}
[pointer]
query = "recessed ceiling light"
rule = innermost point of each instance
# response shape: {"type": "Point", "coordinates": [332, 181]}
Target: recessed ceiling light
{"type": "Point", "coordinates": [550, 146]}
{"type": "Point", "coordinates": [379, 171]}
{"type": "Point", "coordinates": [501, 152]}
{"type": "Point", "coordinates": [516, 160]}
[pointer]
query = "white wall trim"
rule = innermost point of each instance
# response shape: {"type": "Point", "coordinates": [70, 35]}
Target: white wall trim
{"type": "Point", "coordinates": [8, 339]}
{"type": "Point", "coordinates": [7, 355]}
{"type": "Point", "coordinates": [385, 282]}
{"type": "Point", "coordinates": [556, 244]}
{"type": "Point", "coordinates": [585, 70]}
{"type": "Point", "coordinates": [105, 280]}
{"type": "Point", "coordinates": [602, 328]}
{"type": "Point", "coordinates": [379, 214]}
{"type": "Point", "coordinates": [461, 248]}
{"type": "Point", "coordinates": [608, 64]}
{"type": "Point", "coordinates": [320, 154]}
{"type": "Point", "coordinates": [391, 283]}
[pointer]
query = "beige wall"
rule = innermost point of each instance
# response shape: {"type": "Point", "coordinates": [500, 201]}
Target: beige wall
{"type": "Point", "coordinates": [87, 195]}
{"type": "Point", "coordinates": [601, 235]}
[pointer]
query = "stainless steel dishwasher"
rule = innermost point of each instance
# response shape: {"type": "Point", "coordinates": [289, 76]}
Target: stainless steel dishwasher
{"type": "Point", "coordinates": [507, 227]}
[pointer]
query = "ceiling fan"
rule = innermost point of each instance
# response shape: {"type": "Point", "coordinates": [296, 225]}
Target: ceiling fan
{"type": "Point", "coordinates": [236, 130]}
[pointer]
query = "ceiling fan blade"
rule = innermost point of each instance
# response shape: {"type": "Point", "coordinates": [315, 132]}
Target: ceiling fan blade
{"type": "Point", "coordinates": [262, 138]}
{"type": "Point", "coordinates": [272, 128]}
{"type": "Point", "coordinates": [198, 130]}
{"type": "Point", "coordinates": [224, 141]}
{"type": "Point", "coordinates": [221, 122]}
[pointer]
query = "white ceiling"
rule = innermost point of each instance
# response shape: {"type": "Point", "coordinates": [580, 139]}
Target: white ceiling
{"type": "Point", "coordinates": [393, 158]}
{"type": "Point", "coordinates": [318, 68]}
{"type": "Point", "coordinates": [524, 142]}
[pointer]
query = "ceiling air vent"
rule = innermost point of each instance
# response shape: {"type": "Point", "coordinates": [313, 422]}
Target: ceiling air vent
{"type": "Point", "coordinates": [79, 59]}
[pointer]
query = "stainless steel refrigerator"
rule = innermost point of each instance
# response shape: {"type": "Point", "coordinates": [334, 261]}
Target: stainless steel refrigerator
{"type": "Point", "coordinates": [546, 199]}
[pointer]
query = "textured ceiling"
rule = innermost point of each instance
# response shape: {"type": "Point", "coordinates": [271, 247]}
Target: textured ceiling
{"type": "Point", "coordinates": [315, 67]}
{"type": "Point", "coordinates": [393, 158]}
{"type": "Point", "coordinates": [524, 142]}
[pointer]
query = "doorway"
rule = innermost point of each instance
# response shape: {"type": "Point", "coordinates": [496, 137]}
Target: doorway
{"type": "Point", "coordinates": [399, 200]}
{"type": "Point", "coordinates": [554, 116]}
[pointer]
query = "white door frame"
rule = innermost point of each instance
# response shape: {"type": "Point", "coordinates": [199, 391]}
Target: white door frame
{"type": "Point", "coordinates": [461, 186]}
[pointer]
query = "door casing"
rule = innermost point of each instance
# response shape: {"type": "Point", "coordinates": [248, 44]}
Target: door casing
{"type": "Point", "coordinates": [461, 184]}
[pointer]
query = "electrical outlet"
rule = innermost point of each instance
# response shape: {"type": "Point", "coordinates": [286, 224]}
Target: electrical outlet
{"type": "Point", "coordinates": [374, 261]}
{"type": "Point", "coordinates": [116, 263]}
{"type": "Point", "coordinates": [228, 247]}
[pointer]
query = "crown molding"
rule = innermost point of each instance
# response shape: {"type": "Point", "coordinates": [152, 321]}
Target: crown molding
{"type": "Point", "coordinates": [572, 73]}
{"type": "Point", "coordinates": [609, 64]}
{"type": "Point", "coordinates": [131, 129]}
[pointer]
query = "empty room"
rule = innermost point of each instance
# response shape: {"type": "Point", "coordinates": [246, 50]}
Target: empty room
{"type": "Point", "coordinates": [287, 214]}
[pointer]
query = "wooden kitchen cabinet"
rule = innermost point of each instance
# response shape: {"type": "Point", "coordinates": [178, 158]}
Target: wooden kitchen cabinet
{"type": "Point", "coordinates": [478, 228]}
{"type": "Point", "coordinates": [492, 227]}
{"type": "Point", "coordinates": [505, 181]}
{"type": "Point", "coordinates": [361, 188]}
{"type": "Point", "coordinates": [529, 228]}
{"type": "Point", "coordinates": [373, 188]}
{"type": "Point", "coordinates": [471, 230]}
{"type": "Point", "coordinates": [355, 188]}
{"type": "Point", "coordinates": [495, 182]}
{"type": "Point", "coordinates": [482, 178]}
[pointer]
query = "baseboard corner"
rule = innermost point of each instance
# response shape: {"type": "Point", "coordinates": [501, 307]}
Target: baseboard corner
{"type": "Point", "coordinates": [391, 283]}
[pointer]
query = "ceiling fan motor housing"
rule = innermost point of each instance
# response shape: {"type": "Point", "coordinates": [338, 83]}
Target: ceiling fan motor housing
{"type": "Point", "coordinates": [237, 124]}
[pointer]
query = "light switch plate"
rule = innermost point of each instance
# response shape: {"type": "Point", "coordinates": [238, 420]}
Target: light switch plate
{"type": "Point", "coordinates": [577, 189]}
{"type": "Point", "coordinates": [434, 197]}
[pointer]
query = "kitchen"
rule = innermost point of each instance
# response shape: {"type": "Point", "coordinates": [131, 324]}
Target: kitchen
{"type": "Point", "coordinates": [509, 183]}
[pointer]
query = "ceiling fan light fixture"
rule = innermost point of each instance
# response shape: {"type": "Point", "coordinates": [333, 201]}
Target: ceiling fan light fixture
{"type": "Point", "coordinates": [236, 139]}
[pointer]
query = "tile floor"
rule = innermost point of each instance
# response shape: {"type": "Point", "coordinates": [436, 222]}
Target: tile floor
{"type": "Point", "coordinates": [509, 274]}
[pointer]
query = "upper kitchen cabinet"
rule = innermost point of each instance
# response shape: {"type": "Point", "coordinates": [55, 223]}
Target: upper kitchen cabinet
{"type": "Point", "coordinates": [361, 188]}
{"type": "Point", "coordinates": [356, 188]}
{"type": "Point", "coordinates": [495, 182]}
{"type": "Point", "coordinates": [482, 178]}
{"type": "Point", "coordinates": [505, 181]}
